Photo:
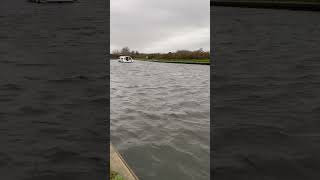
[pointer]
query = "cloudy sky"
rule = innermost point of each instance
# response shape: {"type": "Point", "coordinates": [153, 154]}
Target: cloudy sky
{"type": "Point", "coordinates": [160, 25]}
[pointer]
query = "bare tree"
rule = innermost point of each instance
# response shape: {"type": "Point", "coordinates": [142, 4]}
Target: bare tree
{"type": "Point", "coordinates": [115, 51]}
{"type": "Point", "coordinates": [125, 51]}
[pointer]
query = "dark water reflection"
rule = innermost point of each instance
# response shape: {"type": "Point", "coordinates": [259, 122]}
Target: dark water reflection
{"type": "Point", "coordinates": [53, 90]}
{"type": "Point", "coordinates": [266, 86]}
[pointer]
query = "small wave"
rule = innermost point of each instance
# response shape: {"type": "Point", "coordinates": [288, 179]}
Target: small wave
{"type": "Point", "coordinates": [102, 101]}
{"type": "Point", "coordinates": [58, 154]}
{"type": "Point", "coordinates": [4, 37]}
{"type": "Point", "coordinates": [11, 87]}
{"type": "Point", "coordinates": [6, 99]}
{"type": "Point", "coordinates": [4, 160]}
{"type": "Point", "coordinates": [33, 111]}
{"type": "Point", "coordinates": [31, 78]}
{"type": "Point", "coordinates": [70, 79]}
{"type": "Point", "coordinates": [34, 65]}
{"type": "Point", "coordinates": [8, 62]}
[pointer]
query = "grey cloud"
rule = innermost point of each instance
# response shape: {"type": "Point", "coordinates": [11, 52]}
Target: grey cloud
{"type": "Point", "coordinates": [160, 25]}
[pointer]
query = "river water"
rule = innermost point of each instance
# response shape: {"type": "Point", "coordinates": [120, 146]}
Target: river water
{"type": "Point", "coordinates": [160, 118]}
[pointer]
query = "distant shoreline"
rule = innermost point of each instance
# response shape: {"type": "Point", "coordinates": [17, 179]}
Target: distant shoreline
{"type": "Point", "coordinates": [179, 61]}
{"type": "Point", "coordinates": [289, 5]}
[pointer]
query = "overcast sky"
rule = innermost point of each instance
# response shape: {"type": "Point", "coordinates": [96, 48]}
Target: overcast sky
{"type": "Point", "coordinates": [160, 25]}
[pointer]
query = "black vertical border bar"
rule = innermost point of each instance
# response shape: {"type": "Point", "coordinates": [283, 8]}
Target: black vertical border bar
{"type": "Point", "coordinates": [26, 39]}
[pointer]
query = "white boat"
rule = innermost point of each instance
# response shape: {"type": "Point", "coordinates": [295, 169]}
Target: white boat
{"type": "Point", "coordinates": [125, 59]}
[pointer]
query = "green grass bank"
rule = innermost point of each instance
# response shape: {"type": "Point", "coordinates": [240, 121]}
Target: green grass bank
{"type": "Point", "coordinates": [179, 61]}
{"type": "Point", "coordinates": [115, 176]}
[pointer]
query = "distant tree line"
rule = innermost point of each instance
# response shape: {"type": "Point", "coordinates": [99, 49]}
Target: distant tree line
{"type": "Point", "coordinates": [180, 54]}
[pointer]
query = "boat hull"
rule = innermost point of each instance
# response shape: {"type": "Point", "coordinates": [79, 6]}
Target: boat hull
{"type": "Point", "coordinates": [126, 61]}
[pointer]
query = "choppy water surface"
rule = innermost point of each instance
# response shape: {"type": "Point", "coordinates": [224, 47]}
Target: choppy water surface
{"type": "Point", "coordinates": [160, 118]}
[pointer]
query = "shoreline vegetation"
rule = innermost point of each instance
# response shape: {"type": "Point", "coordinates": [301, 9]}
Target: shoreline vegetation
{"type": "Point", "coordinates": [115, 176]}
{"type": "Point", "coordinates": [179, 61]}
{"type": "Point", "coordinates": [304, 5]}
{"type": "Point", "coordinates": [119, 169]}
{"type": "Point", "coordinates": [181, 56]}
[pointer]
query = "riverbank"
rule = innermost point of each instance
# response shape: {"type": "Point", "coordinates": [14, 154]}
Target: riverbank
{"type": "Point", "coordinates": [119, 168]}
{"type": "Point", "coordinates": [179, 61]}
{"type": "Point", "coordinates": [289, 5]}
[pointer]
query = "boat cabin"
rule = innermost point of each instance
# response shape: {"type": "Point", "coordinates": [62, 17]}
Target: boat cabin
{"type": "Point", "coordinates": [125, 59]}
